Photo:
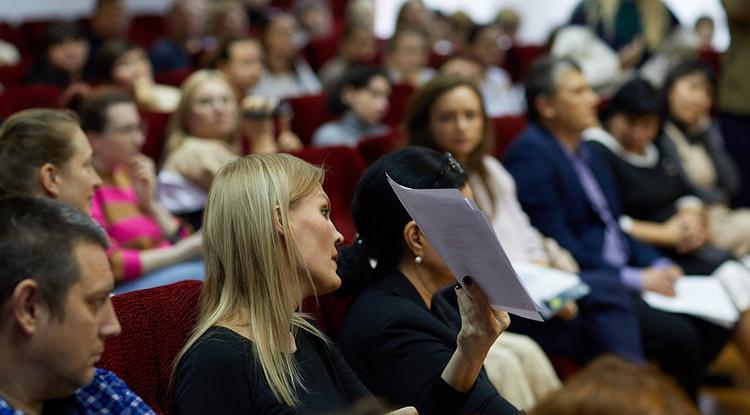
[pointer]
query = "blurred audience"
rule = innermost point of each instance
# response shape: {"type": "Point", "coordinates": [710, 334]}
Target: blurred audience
{"type": "Point", "coordinates": [126, 66]}
{"type": "Point", "coordinates": [693, 140]}
{"type": "Point", "coordinates": [406, 57]}
{"type": "Point", "coordinates": [361, 101]}
{"type": "Point", "coordinates": [611, 386]}
{"type": "Point", "coordinates": [734, 88]}
{"type": "Point", "coordinates": [633, 28]}
{"type": "Point", "coordinates": [704, 28]}
{"type": "Point", "coordinates": [285, 73]}
{"type": "Point", "coordinates": [206, 132]}
{"type": "Point", "coordinates": [148, 246]}
{"type": "Point", "coordinates": [226, 21]}
{"type": "Point", "coordinates": [499, 95]}
{"type": "Point", "coordinates": [241, 61]}
{"type": "Point", "coordinates": [570, 195]}
{"type": "Point", "coordinates": [62, 58]}
{"type": "Point", "coordinates": [357, 46]}
{"type": "Point", "coordinates": [186, 37]}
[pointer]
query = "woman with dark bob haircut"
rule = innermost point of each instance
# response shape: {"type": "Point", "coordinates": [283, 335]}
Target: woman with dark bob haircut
{"type": "Point", "coordinates": [398, 333]}
{"type": "Point", "coordinates": [361, 101]}
{"type": "Point", "coordinates": [692, 138]}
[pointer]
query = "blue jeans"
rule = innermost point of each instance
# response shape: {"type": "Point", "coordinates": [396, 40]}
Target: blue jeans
{"type": "Point", "coordinates": [193, 270]}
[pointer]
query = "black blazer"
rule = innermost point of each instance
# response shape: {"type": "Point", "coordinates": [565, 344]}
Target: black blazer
{"type": "Point", "coordinates": [398, 347]}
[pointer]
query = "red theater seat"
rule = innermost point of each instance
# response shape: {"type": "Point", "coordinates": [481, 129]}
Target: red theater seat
{"type": "Point", "coordinates": [399, 96]}
{"type": "Point", "coordinates": [310, 112]}
{"type": "Point", "coordinates": [14, 74]}
{"type": "Point", "coordinates": [173, 77]}
{"type": "Point", "coordinates": [156, 133]}
{"type": "Point", "coordinates": [145, 30]}
{"type": "Point", "coordinates": [373, 148]}
{"type": "Point", "coordinates": [343, 167]}
{"type": "Point", "coordinates": [155, 326]}
{"type": "Point", "coordinates": [506, 129]}
{"type": "Point", "coordinates": [20, 97]}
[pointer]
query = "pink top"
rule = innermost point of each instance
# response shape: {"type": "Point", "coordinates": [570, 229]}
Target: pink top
{"type": "Point", "coordinates": [130, 230]}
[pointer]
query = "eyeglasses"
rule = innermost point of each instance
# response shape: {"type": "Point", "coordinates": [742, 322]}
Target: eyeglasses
{"type": "Point", "coordinates": [131, 129]}
{"type": "Point", "coordinates": [451, 164]}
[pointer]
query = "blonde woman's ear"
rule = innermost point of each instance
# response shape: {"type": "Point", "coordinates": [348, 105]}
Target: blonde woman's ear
{"type": "Point", "coordinates": [277, 220]}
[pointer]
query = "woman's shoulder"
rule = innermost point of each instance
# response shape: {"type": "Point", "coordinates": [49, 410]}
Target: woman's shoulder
{"type": "Point", "coordinates": [219, 348]}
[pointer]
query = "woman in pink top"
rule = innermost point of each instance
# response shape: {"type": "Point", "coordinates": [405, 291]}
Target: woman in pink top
{"type": "Point", "coordinates": [149, 246]}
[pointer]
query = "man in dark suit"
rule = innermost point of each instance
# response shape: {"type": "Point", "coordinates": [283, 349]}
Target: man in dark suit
{"type": "Point", "coordinates": [570, 195]}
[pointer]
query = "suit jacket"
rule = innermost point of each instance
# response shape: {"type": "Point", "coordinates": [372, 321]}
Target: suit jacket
{"type": "Point", "coordinates": [398, 347]}
{"type": "Point", "coordinates": [552, 196]}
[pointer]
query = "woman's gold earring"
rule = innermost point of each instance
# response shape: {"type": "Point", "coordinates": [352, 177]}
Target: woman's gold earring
{"type": "Point", "coordinates": [418, 259]}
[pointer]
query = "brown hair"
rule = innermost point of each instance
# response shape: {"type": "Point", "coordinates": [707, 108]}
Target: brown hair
{"type": "Point", "coordinates": [417, 121]}
{"type": "Point", "coordinates": [610, 386]}
{"type": "Point", "coordinates": [30, 139]}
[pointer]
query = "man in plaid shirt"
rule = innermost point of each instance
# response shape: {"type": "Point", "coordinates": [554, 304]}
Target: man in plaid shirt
{"type": "Point", "coordinates": [56, 313]}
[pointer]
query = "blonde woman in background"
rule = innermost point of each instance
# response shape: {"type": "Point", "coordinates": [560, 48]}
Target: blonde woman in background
{"type": "Point", "coordinates": [269, 243]}
{"type": "Point", "coordinates": [206, 132]}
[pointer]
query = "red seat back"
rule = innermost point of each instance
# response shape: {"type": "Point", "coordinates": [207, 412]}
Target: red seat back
{"type": "Point", "coordinates": [320, 51]}
{"type": "Point", "coordinates": [174, 77]}
{"type": "Point", "coordinates": [145, 30]}
{"type": "Point", "coordinates": [505, 130]}
{"type": "Point", "coordinates": [155, 326]}
{"type": "Point", "coordinates": [399, 96]}
{"type": "Point", "coordinates": [343, 167]}
{"type": "Point", "coordinates": [20, 97]}
{"type": "Point", "coordinates": [373, 148]}
{"type": "Point", "coordinates": [156, 133]}
{"type": "Point", "coordinates": [14, 74]}
{"type": "Point", "coordinates": [310, 112]}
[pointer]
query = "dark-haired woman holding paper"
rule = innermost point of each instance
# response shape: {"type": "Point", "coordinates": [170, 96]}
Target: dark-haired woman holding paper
{"type": "Point", "coordinates": [398, 333]}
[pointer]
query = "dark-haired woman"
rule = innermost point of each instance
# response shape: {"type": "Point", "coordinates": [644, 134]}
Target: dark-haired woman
{"type": "Point", "coordinates": [448, 114]}
{"type": "Point", "coordinates": [127, 67]}
{"type": "Point", "coordinates": [661, 209]}
{"type": "Point", "coordinates": [695, 143]}
{"type": "Point", "coordinates": [361, 101]}
{"type": "Point", "coordinates": [399, 331]}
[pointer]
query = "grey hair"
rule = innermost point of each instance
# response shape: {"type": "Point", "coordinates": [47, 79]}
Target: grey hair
{"type": "Point", "coordinates": [543, 80]}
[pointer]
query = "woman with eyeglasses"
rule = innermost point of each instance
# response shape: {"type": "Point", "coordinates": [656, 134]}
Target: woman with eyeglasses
{"type": "Point", "coordinates": [149, 246]}
{"type": "Point", "coordinates": [269, 243]}
{"type": "Point", "coordinates": [448, 114]}
{"type": "Point", "coordinates": [205, 133]}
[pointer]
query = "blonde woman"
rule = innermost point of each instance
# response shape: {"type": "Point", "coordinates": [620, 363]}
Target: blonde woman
{"type": "Point", "coordinates": [206, 132]}
{"type": "Point", "coordinates": [269, 242]}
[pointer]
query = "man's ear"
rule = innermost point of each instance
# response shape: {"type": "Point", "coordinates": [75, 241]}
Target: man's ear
{"type": "Point", "coordinates": [25, 302]}
{"type": "Point", "coordinates": [413, 238]}
{"type": "Point", "coordinates": [49, 178]}
{"type": "Point", "coordinates": [544, 107]}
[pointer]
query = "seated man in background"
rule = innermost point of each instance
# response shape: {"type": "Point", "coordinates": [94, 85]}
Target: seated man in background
{"type": "Point", "coordinates": [56, 313]}
{"type": "Point", "coordinates": [571, 196]}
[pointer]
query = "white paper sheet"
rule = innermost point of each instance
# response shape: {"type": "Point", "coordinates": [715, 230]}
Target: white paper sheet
{"type": "Point", "coordinates": [700, 296]}
{"type": "Point", "coordinates": [550, 288]}
{"type": "Point", "coordinates": [464, 238]}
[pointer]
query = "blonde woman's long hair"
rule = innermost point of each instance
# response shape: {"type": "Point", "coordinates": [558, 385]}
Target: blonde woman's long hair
{"type": "Point", "coordinates": [178, 128]}
{"type": "Point", "coordinates": [252, 272]}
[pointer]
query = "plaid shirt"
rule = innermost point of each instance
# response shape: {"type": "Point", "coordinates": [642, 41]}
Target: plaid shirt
{"type": "Point", "coordinates": [106, 394]}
